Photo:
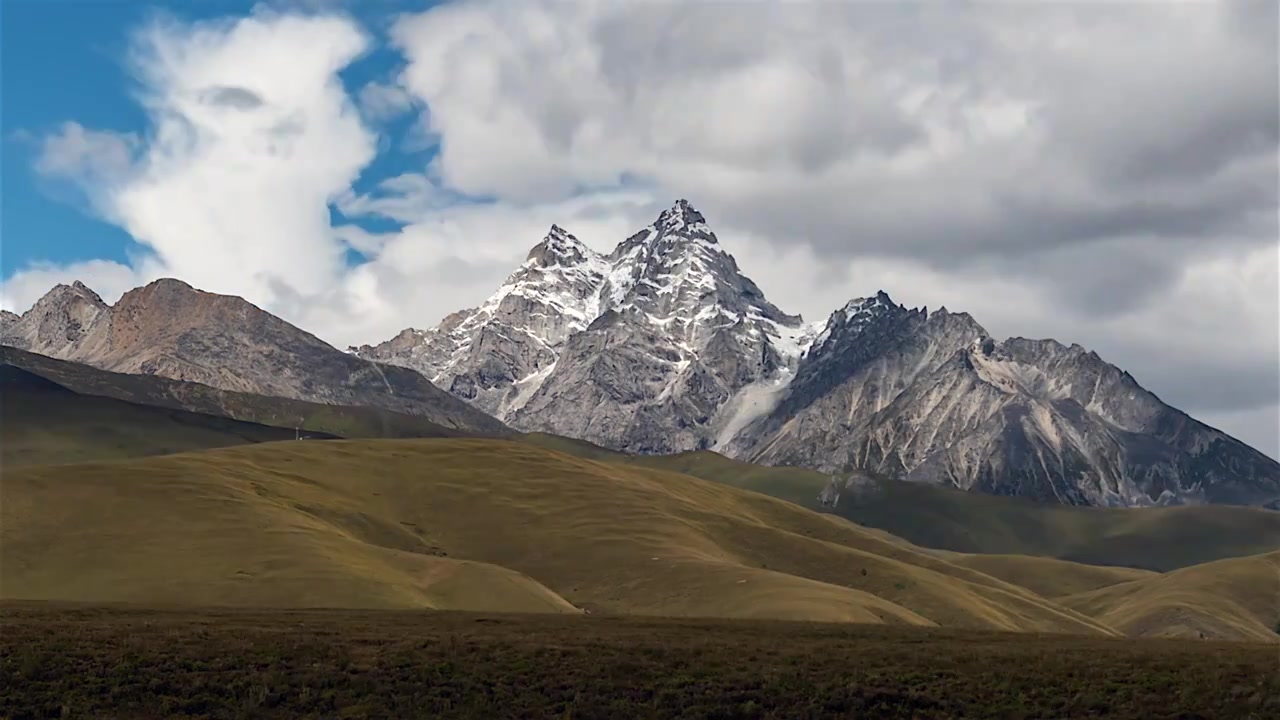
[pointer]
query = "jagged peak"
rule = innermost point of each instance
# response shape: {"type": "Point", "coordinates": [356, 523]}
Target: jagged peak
{"type": "Point", "coordinates": [77, 289]}
{"type": "Point", "coordinates": [559, 247]}
{"type": "Point", "coordinates": [682, 216]}
{"type": "Point", "coordinates": [879, 302]}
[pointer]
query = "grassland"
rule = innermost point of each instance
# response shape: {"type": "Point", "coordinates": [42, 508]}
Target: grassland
{"type": "Point", "coordinates": [1049, 577]}
{"type": "Point", "coordinates": [120, 663]}
{"type": "Point", "coordinates": [1157, 539]}
{"type": "Point", "coordinates": [499, 525]}
{"type": "Point", "coordinates": [42, 422]}
{"type": "Point", "coordinates": [1235, 599]}
{"type": "Point", "coordinates": [368, 524]}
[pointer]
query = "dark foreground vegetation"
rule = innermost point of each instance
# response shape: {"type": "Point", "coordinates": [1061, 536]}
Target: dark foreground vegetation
{"type": "Point", "coordinates": [123, 663]}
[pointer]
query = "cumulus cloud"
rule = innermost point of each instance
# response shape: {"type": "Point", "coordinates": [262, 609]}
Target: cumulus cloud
{"type": "Point", "coordinates": [252, 136]}
{"type": "Point", "coordinates": [1101, 173]}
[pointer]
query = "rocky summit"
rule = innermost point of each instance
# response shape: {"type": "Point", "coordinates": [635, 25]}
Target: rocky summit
{"type": "Point", "coordinates": [664, 345]}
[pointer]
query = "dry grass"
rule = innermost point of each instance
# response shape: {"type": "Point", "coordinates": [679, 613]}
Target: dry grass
{"type": "Point", "coordinates": [1157, 539]}
{"type": "Point", "coordinates": [1049, 577]}
{"type": "Point", "coordinates": [1235, 599]}
{"type": "Point", "coordinates": [384, 524]}
{"type": "Point", "coordinates": [66, 662]}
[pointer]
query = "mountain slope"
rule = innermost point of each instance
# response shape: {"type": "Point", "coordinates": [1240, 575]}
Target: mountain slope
{"type": "Point", "coordinates": [337, 420]}
{"type": "Point", "coordinates": [1156, 539]}
{"type": "Point", "coordinates": [1021, 417]}
{"type": "Point", "coordinates": [326, 530]}
{"type": "Point", "coordinates": [169, 329]}
{"type": "Point", "coordinates": [42, 422]}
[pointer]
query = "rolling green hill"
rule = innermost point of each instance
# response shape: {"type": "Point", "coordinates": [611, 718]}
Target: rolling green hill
{"type": "Point", "coordinates": [93, 424]}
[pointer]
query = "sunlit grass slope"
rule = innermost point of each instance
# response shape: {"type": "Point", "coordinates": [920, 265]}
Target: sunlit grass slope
{"type": "Point", "coordinates": [469, 523]}
{"type": "Point", "coordinates": [1048, 577]}
{"type": "Point", "coordinates": [1235, 599]}
{"type": "Point", "coordinates": [1150, 538]}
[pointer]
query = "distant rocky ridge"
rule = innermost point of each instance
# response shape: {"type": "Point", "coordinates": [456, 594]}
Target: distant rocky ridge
{"type": "Point", "coordinates": [663, 345]}
{"type": "Point", "coordinates": [169, 329]}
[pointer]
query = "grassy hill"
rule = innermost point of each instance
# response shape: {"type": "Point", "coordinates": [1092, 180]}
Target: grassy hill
{"type": "Point", "coordinates": [1049, 577]}
{"type": "Point", "coordinates": [335, 420]}
{"type": "Point", "coordinates": [467, 523]}
{"type": "Point", "coordinates": [1236, 599]}
{"type": "Point", "coordinates": [43, 422]}
{"type": "Point", "coordinates": [1147, 538]}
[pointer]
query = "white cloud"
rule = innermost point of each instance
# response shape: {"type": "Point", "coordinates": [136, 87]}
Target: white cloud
{"type": "Point", "coordinates": [252, 136]}
{"type": "Point", "coordinates": [1099, 173]}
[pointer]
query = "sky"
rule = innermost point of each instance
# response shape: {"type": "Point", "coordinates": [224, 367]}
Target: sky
{"type": "Point", "coordinates": [1103, 173]}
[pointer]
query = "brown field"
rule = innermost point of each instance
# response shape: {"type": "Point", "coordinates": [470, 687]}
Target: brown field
{"type": "Point", "coordinates": [58, 662]}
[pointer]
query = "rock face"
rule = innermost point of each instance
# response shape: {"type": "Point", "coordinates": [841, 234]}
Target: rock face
{"type": "Point", "coordinates": [664, 345]}
{"type": "Point", "coordinates": [172, 330]}
{"type": "Point", "coordinates": [933, 398]}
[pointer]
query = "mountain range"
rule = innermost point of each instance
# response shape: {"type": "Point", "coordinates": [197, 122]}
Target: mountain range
{"type": "Point", "coordinates": [664, 345]}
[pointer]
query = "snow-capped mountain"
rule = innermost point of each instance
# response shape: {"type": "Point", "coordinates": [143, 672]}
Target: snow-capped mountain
{"type": "Point", "coordinates": [640, 349]}
{"type": "Point", "coordinates": [663, 345]}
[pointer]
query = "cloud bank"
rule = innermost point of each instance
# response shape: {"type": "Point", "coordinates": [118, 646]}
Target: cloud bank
{"type": "Point", "coordinates": [1101, 173]}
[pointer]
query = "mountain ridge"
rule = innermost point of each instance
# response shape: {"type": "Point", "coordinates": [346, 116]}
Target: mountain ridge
{"type": "Point", "coordinates": [664, 345]}
{"type": "Point", "coordinates": [170, 329]}
{"type": "Point", "coordinates": [927, 396]}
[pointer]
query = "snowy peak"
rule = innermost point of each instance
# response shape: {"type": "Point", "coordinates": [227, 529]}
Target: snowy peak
{"type": "Point", "coordinates": [681, 218]}
{"type": "Point", "coordinates": [560, 247]}
{"type": "Point", "coordinates": [674, 271]}
{"type": "Point", "coordinates": [861, 317]}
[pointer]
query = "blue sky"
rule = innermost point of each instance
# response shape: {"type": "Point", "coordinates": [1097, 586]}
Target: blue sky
{"type": "Point", "coordinates": [68, 60]}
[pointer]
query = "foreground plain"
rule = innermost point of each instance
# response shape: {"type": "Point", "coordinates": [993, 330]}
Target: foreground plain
{"type": "Point", "coordinates": [67, 661]}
